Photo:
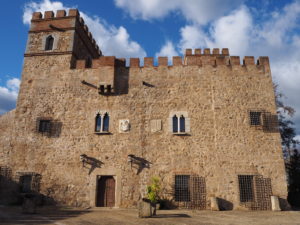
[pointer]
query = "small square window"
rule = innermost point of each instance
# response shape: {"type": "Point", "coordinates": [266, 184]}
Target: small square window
{"type": "Point", "coordinates": [255, 118]}
{"type": "Point", "coordinates": [44, 126]}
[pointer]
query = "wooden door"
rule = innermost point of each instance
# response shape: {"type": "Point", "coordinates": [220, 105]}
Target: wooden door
{"type": "Point", "coordinates": [106, 192]}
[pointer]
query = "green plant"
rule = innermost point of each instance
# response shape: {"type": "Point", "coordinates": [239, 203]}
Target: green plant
{"type": "Point", "coordinates": [153, 190]}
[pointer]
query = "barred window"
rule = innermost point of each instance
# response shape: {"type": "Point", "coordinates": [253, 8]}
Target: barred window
{"type": "Point", "coordinates": [25, 183]}
{"type": "Point", "coordinates": [246, 188]}
{"type": "Point", "coordinates": [44, 126]}
{"type": "Point", "coordinates": [182, 188]}
{"type": "Point", "coordinates": [255, 118]}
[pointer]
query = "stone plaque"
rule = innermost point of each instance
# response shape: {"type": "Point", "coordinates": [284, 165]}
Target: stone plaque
{"type": "Point", "coordinates": [124, 126]}
{"type": "Point", "coordinates": [155, 125]}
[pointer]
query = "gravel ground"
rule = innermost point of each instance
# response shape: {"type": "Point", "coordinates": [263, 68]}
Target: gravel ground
{"type": "Point", "coordinates": [105, 216]}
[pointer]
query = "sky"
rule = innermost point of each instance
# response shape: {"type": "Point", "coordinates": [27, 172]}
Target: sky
{"type": "Point", "coordinates": [139, 28]}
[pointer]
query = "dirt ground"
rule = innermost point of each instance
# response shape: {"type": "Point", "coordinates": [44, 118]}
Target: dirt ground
{"type": "Point", "coordinates": [98, 216]}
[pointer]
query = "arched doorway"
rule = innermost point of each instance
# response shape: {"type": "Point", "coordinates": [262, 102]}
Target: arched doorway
{"type": "Point", "coordinates": [105, 191]}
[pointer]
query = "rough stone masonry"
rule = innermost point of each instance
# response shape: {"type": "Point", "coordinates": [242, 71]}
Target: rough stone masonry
{"type": "Point", "coordinates": [92, 130]}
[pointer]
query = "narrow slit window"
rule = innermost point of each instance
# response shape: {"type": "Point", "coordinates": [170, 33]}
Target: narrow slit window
{"type": "Point", "coordinates": [49, 43]}
{"type": "Point", "coordinates": [106, 122]}
{"type": "Point", "coordinates": [175, 124]}
{"type": "Point", "coordinates": [182, 124]}
{"type": "Point", "coordinates": [88, 62]}
{"type": "Point", "coordinates": [98, 123]}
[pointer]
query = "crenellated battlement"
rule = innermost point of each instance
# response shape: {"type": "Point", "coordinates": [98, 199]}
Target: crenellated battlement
{"type": "Point", "coordinates": [207, 58]}
{"type": "Point", "coordinates": [62, 21]}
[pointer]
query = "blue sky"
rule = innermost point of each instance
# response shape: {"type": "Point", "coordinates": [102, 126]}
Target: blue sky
{"type": "Point", "coordinates": [138, 28]}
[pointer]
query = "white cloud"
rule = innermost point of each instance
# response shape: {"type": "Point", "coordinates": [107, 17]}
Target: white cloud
{"type": "Point", "coordinates": [43, 6]}
{"type": "Point", "coordinates": [168, 50]}
{"type": "Point", "coordinates": [111, 40]}
{"type": "Point", "coordinates": [200, 11]}
{"type": "Point", "coordinates": [232, 31]}
{"type": "Point", "coordinates": [8, 95]}
{"type": "Point", "coordinates": [192, 36]}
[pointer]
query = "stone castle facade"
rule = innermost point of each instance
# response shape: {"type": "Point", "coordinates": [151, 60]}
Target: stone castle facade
{"type": "Point", "coordinates": [92, 130]}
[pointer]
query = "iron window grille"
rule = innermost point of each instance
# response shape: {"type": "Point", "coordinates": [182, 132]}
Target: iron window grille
{"type": "Point", "coordinates": [48, 127]}
{"type": "Point", "coordinates": [190, 191]}
{"type": "Point", "coordinates": [246, 188]}
{"type": "Point", "coordinates": [255, 118]}
{"type": "Point", "coordinates": [29, 182]}
{"type": "Point", "coordinates": [255, 192]}
{"type": "Point", "coordinates": [44, 126]}
{"type": "Point", "coordinates": [182, 189]}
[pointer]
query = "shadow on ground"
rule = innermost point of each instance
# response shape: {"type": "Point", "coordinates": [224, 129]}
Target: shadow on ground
{"type": "Point", "coordinates": [44, 215]}
{"type": "Point", "coordinates": [172, 216]}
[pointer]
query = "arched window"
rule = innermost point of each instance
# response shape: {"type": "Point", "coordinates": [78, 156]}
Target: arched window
{"type": "Point", "coordinates": [49, 43]}
{"type": "Point", "coordinates": [179, 123]}
{"type": "Point", "coordinates": [98, 123]}
{"type": "Point", "coordinates": [182, 124]}
{"type": "Point", "coordinates": [175, 124]}
{"type": "Point", "coordinates": [106, 122]}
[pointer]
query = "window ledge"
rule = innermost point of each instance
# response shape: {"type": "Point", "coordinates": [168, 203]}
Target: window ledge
{"type": "Point", "coordinates": [181, 134]}
{"type": "Point", "coordinates": [102, 132]}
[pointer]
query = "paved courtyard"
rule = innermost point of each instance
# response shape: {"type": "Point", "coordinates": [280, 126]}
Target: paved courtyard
{"type": "Point", "coordinates": [99, 216]}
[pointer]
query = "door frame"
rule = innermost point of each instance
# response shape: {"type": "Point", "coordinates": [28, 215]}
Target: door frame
{"type": "Point", "coordinates": [92, 183]}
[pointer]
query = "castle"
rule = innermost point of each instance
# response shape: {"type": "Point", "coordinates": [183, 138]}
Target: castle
{"type": "Point", "coordinates": [92, 130]}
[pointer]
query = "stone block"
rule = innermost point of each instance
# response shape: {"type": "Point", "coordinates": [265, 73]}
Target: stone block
{"type": "Point", "coordinates": [275, 203]}
{"type": "Point", "coordinates": [145, 209]}
{"type": "Point", "coordinates": [214, 206]}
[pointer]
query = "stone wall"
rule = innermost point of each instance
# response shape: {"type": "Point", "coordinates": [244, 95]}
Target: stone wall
{"type": "Point", "coordinates": [213, 90]}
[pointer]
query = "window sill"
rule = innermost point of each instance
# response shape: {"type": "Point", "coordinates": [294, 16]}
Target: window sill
{"type": "Point", "coordinates": [102, 133]}
{"type": "Point", "coordinates": [181, 134]}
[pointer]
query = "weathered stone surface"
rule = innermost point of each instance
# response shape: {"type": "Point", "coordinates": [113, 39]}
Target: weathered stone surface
{"type": "Point", "coordinates": [217, 97]}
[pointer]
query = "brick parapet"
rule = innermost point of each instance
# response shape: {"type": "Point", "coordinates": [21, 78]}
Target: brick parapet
{"type": "Point", "coordinates": [215, 59]}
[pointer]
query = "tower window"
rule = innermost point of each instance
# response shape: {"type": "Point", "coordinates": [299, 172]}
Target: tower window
{"type": "Point", "coordinates": [88, 62]}
{"type": "Point", "coordinates": [102, 123]}
{"type": "Point", "coordinates": [49, 43]}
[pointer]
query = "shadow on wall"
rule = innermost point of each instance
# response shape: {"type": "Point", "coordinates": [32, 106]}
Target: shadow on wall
{"type": "Point", "coordinates": [224, 204]}
{"type": "Point", "coordinates": [14, 190]}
